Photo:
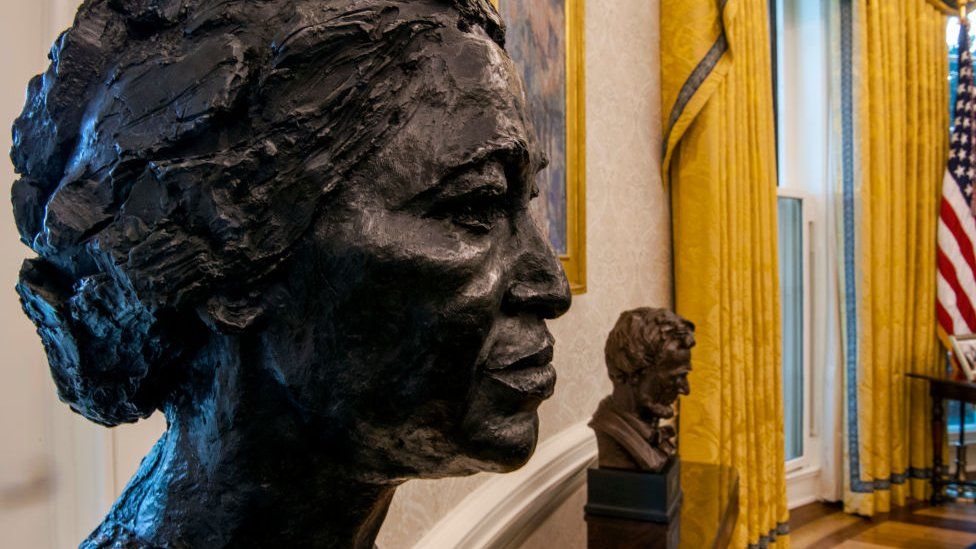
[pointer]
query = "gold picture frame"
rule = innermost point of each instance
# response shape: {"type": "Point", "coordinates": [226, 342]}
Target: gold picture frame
{"type": "Point", "coordinates": [964, 350]}
{"type": "Point", "coordinates": [574, 258]}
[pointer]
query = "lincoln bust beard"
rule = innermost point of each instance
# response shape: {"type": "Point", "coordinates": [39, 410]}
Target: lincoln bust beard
{"type": "Point", "coordinates": [299, 228]}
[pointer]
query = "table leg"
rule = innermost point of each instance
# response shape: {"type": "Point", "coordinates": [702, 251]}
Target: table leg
{"type": "Point", "coordinates": [938, 429]}
{"type": "Point", "coordinates": [961, 449]}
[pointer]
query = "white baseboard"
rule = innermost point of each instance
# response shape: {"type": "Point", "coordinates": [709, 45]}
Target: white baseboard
{"type": "Point", "coordinates": [802, 487]}
{"type": "Point", "coordinates": [499, 512]}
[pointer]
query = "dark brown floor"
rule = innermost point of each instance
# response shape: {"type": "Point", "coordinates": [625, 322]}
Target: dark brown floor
{"type": "Point", "coordinates": [918, 526]}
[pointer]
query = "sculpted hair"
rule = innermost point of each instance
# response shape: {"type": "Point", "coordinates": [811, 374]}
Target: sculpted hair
{"type": "Point", "coordinates": [639, 337]}
{"type": "Point", "coordinates": [176, 150]}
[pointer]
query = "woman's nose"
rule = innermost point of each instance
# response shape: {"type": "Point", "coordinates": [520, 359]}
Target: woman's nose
{"type": "Point", "coordinates": [538, 282]}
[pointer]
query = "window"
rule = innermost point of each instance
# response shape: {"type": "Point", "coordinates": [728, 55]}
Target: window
{"type": "Point", "coordinates": [800, 54]}
{"type": "Point", "coordinates": [952, 41]}
{"type": "Point", "coordinates": [952, 417]}
{"type": "Point", "coordinates": [790, 262]}
{"type": "Point", "coordinates": [796, 222]}
{"type": "Point", "coordinates": [791, 246]}
{"type": "Point", "coordinates": [793, 242]}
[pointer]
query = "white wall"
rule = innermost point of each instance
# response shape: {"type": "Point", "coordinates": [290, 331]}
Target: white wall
{"type": "Point", "coordinates": [23, 417]}
{"type": "Point", "coordinates": [28, 417]}
{"type": "Point", "coordinates": [43, 439]}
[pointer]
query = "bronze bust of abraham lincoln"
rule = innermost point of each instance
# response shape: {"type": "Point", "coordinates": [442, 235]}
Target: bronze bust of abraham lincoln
{"type": "Point", "coordinates": [648, 356]}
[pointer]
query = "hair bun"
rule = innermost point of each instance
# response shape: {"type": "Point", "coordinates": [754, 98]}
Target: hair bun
{"type": "Point", "coordinates": [104, 347]}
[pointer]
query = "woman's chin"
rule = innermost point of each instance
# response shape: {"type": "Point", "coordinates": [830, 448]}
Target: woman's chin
{"type": "Point", "coordinates": [502, 443]}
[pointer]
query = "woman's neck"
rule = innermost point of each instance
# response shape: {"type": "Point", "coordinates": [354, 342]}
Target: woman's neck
{"type": "Point", "coordinates": [235, 469]}
{"type": "Point", "coordinates": [178, 499]}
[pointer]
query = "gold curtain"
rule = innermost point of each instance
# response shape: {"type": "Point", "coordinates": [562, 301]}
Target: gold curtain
{"type": "Point", "coordinates": [894, 117]}
{"type": "Point", "coordinates": [721, 154]}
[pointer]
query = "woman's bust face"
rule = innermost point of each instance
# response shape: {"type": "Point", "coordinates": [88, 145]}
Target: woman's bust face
{"type": "Point", "coordinates": [421, 293]}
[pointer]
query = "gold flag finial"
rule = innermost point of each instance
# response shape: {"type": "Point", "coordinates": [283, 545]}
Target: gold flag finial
{"type": "Point", "coordinates": [962, 11]}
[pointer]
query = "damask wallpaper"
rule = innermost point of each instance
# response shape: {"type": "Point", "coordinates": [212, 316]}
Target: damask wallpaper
{"type": "Point", "coordinates": [629, 245]}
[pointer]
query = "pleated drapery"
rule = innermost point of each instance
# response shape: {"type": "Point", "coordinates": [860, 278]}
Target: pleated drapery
{"type": "Point", "coordinates": [721, 151]}
{"type": "Point", "coordinates": [893, 137]}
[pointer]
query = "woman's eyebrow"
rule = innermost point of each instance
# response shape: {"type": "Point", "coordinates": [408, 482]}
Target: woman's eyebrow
{"type": "Point", "coordinates": [449, 182]}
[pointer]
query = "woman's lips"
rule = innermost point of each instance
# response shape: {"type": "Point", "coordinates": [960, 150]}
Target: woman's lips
{"type": "Point", "coordinates": [536, 382]}
{"type": "Point", "coordinates": [530, 375]}
{"type": "Point", "coordinates": [523, 360]}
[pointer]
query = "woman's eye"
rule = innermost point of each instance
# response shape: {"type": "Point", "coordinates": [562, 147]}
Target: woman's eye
{"type": "Point", "coordinates": [477, 212]}
{"type": "Point", "coordinates": [477, 215]}
{"type": "Point", "coordinates": [474, 199]}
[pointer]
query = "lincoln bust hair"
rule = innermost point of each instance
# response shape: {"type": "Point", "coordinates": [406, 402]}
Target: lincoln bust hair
{"type": "Point", "coordinates": [649, 342]}
{"type": "Point", "coordinates": [640, 339]}
{"type": "Point", "coordinates": [300, 229]}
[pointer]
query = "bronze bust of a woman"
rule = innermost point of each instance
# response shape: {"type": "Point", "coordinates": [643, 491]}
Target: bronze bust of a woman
{"type": "Point", "coordinates": [300, 229]}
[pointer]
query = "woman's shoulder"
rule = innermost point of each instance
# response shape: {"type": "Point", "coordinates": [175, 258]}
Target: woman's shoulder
{"type": "Point", "coordinates": [116, 536]}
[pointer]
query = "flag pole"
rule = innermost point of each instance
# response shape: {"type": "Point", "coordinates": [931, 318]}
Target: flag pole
{"type": "Point", "coordinates": [962, 12]}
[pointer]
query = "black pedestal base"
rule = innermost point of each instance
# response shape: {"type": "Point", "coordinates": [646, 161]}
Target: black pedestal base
{"type": "Point", "coordinates": [705, 518]}
{"type": "Point", "coordinates": [635, 495]}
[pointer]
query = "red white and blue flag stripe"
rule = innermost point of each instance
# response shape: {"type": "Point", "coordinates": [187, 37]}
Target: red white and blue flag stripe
{"type": "Point", "coordinates": [956, 308]}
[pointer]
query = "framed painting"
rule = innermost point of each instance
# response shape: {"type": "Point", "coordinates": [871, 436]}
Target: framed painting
{"type": "Point", "coordinates": [545, 39]}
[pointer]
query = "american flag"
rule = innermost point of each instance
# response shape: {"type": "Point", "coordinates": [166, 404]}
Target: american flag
{"type": "Point", "coordinates": [956, 308]}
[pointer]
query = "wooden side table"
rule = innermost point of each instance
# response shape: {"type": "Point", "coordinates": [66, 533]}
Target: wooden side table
{"type": "Point", "coordinates": [942, 389]}
{"type": "Point", "coordinates": [706, 519]}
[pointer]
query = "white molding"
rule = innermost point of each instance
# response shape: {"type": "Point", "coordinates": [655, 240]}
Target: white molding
{"type": "Point", "coordinates": [497, 514]}
{"type": "Point", "coordinates": [802, 486]}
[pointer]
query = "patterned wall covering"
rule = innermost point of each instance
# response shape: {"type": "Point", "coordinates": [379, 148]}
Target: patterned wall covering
{"type": "Point", "coordinates": [628, 242]}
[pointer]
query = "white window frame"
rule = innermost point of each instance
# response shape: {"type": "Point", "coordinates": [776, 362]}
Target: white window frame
{"type": "Point", "coordinates": [802, 472]}
{"type": "Point", "coordinates": [803, 131]}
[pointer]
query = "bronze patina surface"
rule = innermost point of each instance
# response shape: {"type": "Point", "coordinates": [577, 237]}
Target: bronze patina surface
{"type": "Point", "coordinates": [300, 229]}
